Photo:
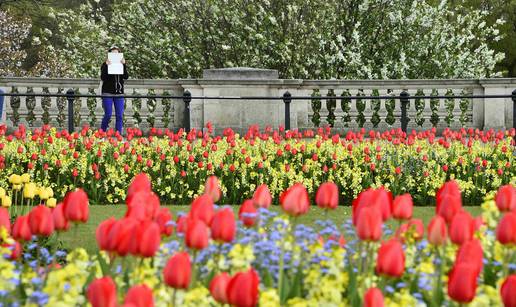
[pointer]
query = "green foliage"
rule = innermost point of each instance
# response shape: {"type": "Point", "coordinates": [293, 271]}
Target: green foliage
{"type": "Point", "coordinates": [163, 38]}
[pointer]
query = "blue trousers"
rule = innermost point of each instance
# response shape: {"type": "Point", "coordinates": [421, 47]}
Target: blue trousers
{"type": "Point", "coordinates": [107, 104]}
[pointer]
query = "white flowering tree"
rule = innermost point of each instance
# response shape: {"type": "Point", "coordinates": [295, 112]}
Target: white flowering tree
{"type": "Point", "coordinates": [12, 34]}
{"type": "Point", "coordinates": [301, 38]}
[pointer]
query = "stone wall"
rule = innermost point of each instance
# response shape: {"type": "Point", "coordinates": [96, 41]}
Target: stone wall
{"type": "Point", "coordinates": [225, 111]}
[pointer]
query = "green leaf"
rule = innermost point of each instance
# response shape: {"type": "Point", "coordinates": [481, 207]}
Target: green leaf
{"type": "Point", "coordinates": [296, 289]}
{"type": "Point", "coordinates": [267, 280]}
{"type": "Point", "coordinates": [285, 289]}
{"type": "Point", "coordinates": [208, 279]}
{"type": "Point", "coordinates": [103, 265]}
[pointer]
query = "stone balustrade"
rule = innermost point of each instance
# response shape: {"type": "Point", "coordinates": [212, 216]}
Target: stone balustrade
{"type": "Point", "coordinates": [340, 112]}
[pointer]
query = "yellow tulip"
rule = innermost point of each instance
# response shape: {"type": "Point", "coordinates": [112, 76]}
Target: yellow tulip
{"type": "Point", "coordinates": [6, 201]}
{"type": "Point", "coordinates": [51, 202]}
{"type": "Point", "coordinates": [50, 192]}
{"type": "Point", "coordinates": [15, 179]}
{"type": "Point", "coordinates": [17, 187]}
{"type": "Point", "coordinates": [43, 194]}
{"type": "Point", "coordinates": [2, 192]}
{"type": "Point", "coordinates": [25, 178]}
{"type": "Point", "coordinates": [29, 191]}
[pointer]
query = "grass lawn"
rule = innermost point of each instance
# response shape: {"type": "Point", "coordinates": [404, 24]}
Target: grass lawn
{"type": "Point", "coordinates": [85, 235]}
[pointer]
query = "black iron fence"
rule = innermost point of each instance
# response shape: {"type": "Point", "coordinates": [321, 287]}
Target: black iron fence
{"type": "Point", "coordinates": [404, 98]}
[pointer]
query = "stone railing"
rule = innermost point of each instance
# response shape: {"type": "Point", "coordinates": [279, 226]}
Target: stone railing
{"type": "Point", "coordinates": [340, 112]}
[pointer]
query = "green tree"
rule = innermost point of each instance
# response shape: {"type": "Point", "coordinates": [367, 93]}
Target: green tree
{"type": "Point", "coordinates": [376, 39]}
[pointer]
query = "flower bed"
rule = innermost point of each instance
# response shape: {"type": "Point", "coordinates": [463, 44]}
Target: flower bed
{"type": "Point", "coordinates": [103, 164]}
{"type": "Point", "coordinates": [210, 257]}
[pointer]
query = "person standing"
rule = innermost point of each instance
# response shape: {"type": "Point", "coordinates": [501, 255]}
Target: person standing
{"type": "Point", "coordinates": [113, 85]}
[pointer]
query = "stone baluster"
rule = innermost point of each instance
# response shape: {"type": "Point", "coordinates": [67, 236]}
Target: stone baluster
{"type": "Point", "coordinates": [38, 108]}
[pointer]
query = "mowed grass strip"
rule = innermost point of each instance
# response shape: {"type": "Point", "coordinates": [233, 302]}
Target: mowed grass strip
{"type": "Point", "coordinates": [84, 236]}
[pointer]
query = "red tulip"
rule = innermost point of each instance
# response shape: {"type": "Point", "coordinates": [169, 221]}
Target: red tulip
{"type": "Point", "coordinates": [448, 188]}
{"type": "Point", "coordinates": [142, 205]}
{"type": "Point", "coordinates": [506, 230]}
{"type": "Point", "coordinates": [41, 222]}
{"type": "Point", "coordinates": [242, 289]}
{"type": "Point", "coordinates": [212, 188]}
{"type": "Point", "coordinates": [448, 201]}
{"type": "Point", "coordinates": [149, 239]}
{"type": "Point", "coordinates": [462, 282]}
{"type": "Point", "coordinates": [21, 229]}
{"type": "Point", "coordinates": [506, 198]}
{"type": "Point", "coordinates": [295, 200]}
{"type": "Point", "coordinates": [60, 222]}
{"type": "Point", "coordinates": [122, 237]}
{"type": "Point", "coordinates": [181, 222]}
{"type": "Point", "coordinates": [402, 207]}
{"type": "Point", "coordinates": [478, 222]}
{"type": "Point", "coordinates": [462, 228]}
{"type": "Point", "coordinates": [202, 208]}
{"type": "Point", "coordinates": [471, 252]}
{"type": "Point", "coordinates": [379, 199]}
{"type": "Point", "coordinates": [75, 206]}
{"type": "Point", "coordinates": [5, 220]}
{"type": "Point", "coordinates": [140, 182]}
{"type": "Point", "coordinates": [102, 293]}
{"type": "Point", "coordinates": [196, 236]}
{"type": "Point", "coordinates": [164, 220]}
{"type": "Point", "coordinates": [369, 224]}
{"type": "Point", "coordinates": [139, 296]}
{"type": "Point", "coordinates": [102, 233]}
{"type": "Point", "coordinates": [177, 271]}
{"type": "Point", "coordinates": [248, 213]}
{"type": "Point", "coordinates": [437, 232]}
{"type": "Point", "coordinates": [391, 259]}
{"type": "Point", "coordinates": [262, 197]}
{"type": "Point", "coordinates": [373, 298]}
{"type": "Point", "coordinates": [416, 228]}
{"type": "Point", "coordinates": [16, 250]}
{"type": "Point", "coordinates": [223, 226]}
{"type": "Point", "coordinates": [218, 287]}
{"type": "Point", "coordinates": [507, 291]}
{"type": "Point", "coordinates": [327, 196]}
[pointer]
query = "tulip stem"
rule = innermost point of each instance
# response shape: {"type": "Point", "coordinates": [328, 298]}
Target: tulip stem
{"type": "Point", "coordinates": [282, 261]}
{"type": "Point", "coordinates": [194, 272]}
{"type": "Point", "coordinates": [438, 282]}
{"type": "Point", "coordinates": [174, 297]}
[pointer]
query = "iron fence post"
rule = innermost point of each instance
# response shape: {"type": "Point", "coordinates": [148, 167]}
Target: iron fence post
{"type": "Point", "coordinates": [514, 109]}
{"type": "Point", "coordinates": [1, 105]}
{"type": "Point", "coordinates": [287, 99]}
{"type": "Point", "coordinates": [70, 97]}
{"type": "Point", "coordinates": [404, 99]}
{"type": "Point", "coordinates": [187, 98]}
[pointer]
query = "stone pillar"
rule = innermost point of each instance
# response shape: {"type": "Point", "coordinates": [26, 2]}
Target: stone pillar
{"type": "Point", "coordinates": [497, 111]}
{"type": "Point", "coordinates": [240, 114]}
